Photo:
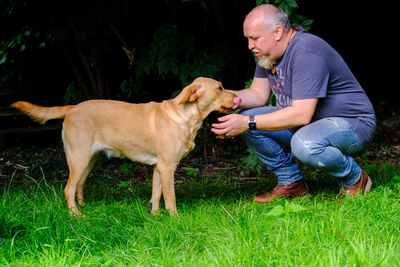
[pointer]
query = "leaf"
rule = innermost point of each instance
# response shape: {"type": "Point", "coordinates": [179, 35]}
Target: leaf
{"type": "Point", "coordinates": [287, 206]}
{"type": "Point", "coordinates": [123, 184]}
{"type": "Point", "coordinates": [296, 207]}
{"type": "Point", "coordinates": [166, 65]}
{"type": "Point", "coordinates": [286, 8]}
{"type": "Point", "coordinates": [259, 2]}
{"type": "Point", "coordinates": [276, 211]}
{"type": "Point", "coordinates": [395, 179]}
{"type": "Point", "coordinates": [292, 3]}
{"type": "Point", "coordinates": [3, 59]}
{"type": "Point", "coordinates": [27, 32]}
{"type": "Point", "coordinates": [307, 22]}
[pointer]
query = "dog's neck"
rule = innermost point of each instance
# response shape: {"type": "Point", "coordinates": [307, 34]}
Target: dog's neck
{"type": "Point", "coordinates": [190, 113]}
{"type": "Point", "coordinates": [190, 116]}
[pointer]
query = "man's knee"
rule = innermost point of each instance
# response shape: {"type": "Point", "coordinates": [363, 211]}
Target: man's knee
{"type": "Point", "coordinates": [304, 150]}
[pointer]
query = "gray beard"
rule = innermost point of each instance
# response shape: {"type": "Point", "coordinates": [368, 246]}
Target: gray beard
{"type": "Point", "coordinates": [266, 63]}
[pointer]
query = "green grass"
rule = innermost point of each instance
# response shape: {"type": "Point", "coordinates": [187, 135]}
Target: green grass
{"type": "Point", "coordinates": [217, 226]}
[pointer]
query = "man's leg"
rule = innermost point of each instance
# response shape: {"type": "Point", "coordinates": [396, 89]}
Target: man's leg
{"type": "Point", "coordinates": [329, 144]}
{"type": "Point", "coordinates": [269, 147]}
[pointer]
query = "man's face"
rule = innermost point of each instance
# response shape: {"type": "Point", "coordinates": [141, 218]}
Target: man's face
{"type": "Point", "coordinates": [261, 41]}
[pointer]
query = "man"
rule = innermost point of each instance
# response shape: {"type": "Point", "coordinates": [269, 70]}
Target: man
{"type": "Point", "coordinates": [323, 115]}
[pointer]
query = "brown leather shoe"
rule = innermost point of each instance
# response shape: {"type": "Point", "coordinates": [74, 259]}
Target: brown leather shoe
{"type": "Point", "coordinates": [362, 187]}
{"type": "Point", "coordinates": [299, 188]}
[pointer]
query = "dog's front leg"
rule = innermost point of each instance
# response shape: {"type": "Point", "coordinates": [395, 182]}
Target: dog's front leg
{"type": "Point", "coordinates": [157, 191]}
{"type": "Point", "coordinates": [167, 182]}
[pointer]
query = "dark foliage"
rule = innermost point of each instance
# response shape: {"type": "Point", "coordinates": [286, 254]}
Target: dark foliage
{"type": "Point", "coordinates": [55, 51]}
{"type": "Point", "coordinates": [135, 50]}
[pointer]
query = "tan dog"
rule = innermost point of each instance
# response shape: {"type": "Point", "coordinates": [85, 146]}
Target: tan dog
{"type": "Point", "coordinates": [159, 134]}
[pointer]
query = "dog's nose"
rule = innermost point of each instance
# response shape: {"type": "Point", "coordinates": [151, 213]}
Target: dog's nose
{"type": "Point", "coordinates": [237, 100]}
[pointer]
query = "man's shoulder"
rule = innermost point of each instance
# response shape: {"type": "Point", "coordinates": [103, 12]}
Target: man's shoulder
{"type": "Point", "coordinates": [309, 43]}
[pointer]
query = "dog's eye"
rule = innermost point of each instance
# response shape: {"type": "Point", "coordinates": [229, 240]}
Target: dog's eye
{"type": "Point", "coordinates": [220, 88]}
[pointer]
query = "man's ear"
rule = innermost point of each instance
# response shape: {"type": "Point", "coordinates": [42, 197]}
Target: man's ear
{"type": "Point", "coordinates": [190, 94]}
{"type": "Point", "coordinates": [278, 33]}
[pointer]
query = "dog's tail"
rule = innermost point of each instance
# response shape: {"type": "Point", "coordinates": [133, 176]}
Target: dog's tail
{"type": "Point", "coordinates": [41, 114]}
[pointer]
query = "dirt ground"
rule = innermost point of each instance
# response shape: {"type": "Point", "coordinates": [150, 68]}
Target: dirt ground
{"type": "Point", "coordinates": [29, 157]}
{"type": "Point", "coordinates": [25, 164]}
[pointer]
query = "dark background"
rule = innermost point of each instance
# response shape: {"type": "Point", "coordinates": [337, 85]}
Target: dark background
{"type": "Point", "coordinates": [199, 38]}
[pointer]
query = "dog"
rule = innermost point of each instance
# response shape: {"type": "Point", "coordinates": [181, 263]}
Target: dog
{"type": "Point", "coordinates": [159, 134]}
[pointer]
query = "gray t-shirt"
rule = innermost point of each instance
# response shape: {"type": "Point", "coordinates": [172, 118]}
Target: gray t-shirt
{"type": "Point", "coordinates": [311, 68]}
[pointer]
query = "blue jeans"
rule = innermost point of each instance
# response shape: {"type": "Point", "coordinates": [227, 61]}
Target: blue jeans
{"type": "Point", "coordinates": [328, 144]}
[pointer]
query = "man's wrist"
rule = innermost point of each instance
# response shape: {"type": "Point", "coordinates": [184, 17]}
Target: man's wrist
{"type": "Point", "coordinates": [252, 123]}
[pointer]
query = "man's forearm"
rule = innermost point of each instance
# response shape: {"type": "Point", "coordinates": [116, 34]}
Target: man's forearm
{"type": "Point", "coordinates": [250, 98]}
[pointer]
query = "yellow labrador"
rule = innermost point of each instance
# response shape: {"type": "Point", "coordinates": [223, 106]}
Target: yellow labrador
{"type": "Point", "coordinates": [159, 134]}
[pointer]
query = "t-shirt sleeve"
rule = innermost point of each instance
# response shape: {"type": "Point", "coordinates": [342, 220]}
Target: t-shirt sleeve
{"type": "Point", "coordinates": [260, 72]}
{"type": "Point", "coordinates": [310, 76]}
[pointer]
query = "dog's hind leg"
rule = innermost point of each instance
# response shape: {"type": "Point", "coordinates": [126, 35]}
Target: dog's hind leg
{"type": "Point", "coordinates": [78, 163]}
{"type": "Point", "coordinates": [80, 187]}
{"type": "Point", "coordinates": [157, 191]}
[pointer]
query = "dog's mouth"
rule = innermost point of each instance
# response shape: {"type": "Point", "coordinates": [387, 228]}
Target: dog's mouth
{"type": "Point", "coordinates": [237, 101]}
{"type": "Point", "coordinates": [226, 110]}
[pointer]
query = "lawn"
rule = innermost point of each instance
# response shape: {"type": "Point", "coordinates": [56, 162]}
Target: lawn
{"type": "Point", "coordinates": [217, 225]}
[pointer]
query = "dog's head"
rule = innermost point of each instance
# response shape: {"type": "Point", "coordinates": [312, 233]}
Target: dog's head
{"type": "Point", "coordinates": [209, 96]}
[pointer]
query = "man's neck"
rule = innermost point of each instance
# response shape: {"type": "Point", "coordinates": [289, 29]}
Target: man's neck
{"type": "Point", "coordinates": [286, 40]}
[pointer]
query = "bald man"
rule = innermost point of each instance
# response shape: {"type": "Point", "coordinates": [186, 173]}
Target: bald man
{"type": "Point", "coordinates": [323, 116]}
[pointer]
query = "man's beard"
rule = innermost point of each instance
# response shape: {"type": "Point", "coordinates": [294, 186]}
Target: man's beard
{"type": "Point", "coordinates": [266, 63]}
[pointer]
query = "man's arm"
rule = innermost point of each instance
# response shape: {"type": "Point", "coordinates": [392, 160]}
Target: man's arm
{"type": "Point", "coordinates": [256, 96]}
{"type": "Point", "coordinates": [299, 114]}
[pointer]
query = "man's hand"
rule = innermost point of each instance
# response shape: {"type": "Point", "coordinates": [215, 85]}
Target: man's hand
{"type": "Point", "coordinates": [231, 125]}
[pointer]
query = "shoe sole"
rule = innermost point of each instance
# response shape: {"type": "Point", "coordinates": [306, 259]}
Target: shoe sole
{"type": "Point", "coordinates": [368, 186]}
{"type": "Point", "coordinates": [302, 196]}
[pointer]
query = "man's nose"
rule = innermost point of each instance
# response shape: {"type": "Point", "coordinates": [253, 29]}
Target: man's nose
{"type": "Point", "coordinates": [251, 44]}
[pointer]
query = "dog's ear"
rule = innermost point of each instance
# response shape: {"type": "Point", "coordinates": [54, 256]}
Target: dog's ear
{"type": "Point", "coordinates": [190, 94]}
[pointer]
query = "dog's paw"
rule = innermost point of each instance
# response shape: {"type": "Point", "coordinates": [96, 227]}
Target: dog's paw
{"type": "Point", "coordinates": [74, 212]}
